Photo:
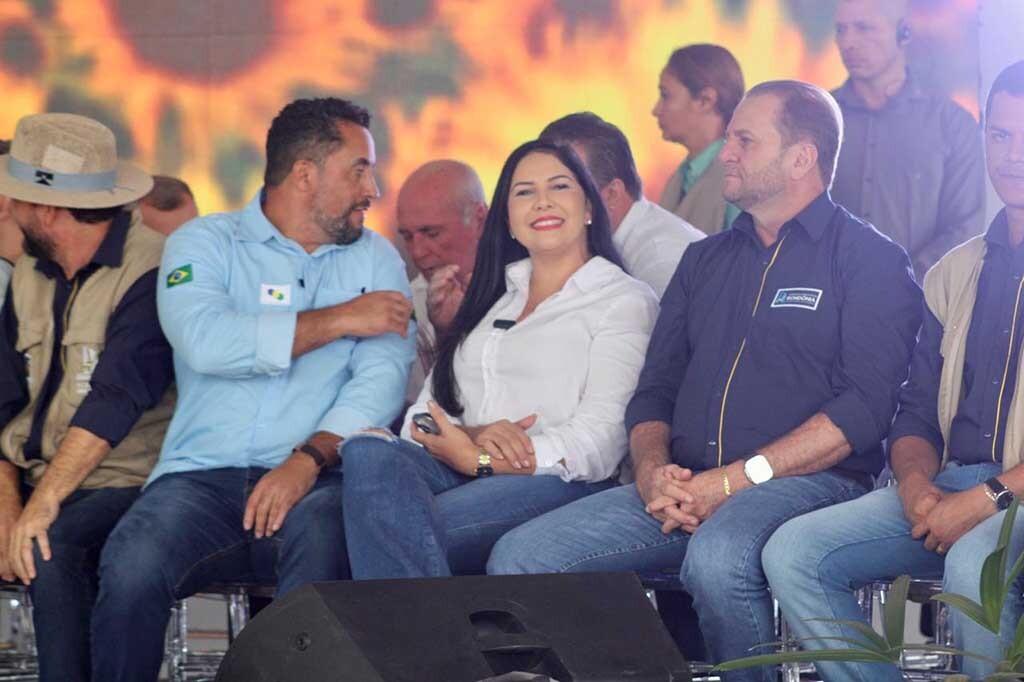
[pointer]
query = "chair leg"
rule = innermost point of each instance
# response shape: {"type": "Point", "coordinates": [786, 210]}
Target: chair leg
{"type": "Point", "coordinates": [238, 614]}
{"type": "Point", "coordinates": [177, 642]}
{"type": "Point", "coordinates": [788, 672]}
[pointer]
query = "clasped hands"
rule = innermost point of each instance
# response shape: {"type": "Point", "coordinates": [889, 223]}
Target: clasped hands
{"type": "Point", "coordinates": [678, 498]}
{"type": "Point", "coordinates": [942, 518]}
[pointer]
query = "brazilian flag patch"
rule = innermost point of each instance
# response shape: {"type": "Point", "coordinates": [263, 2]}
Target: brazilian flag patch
{"type": "Point", "coordinates": [180, 275]}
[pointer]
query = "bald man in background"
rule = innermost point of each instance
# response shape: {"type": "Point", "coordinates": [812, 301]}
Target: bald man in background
{"type": "Point", "coordinates": [169, 205]}
{"type": "Point", "coordinates": [911, 162]}
{"type": "Point", "coordinates": [441, 211]}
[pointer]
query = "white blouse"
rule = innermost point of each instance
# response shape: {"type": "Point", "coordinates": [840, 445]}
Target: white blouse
{"type": "Point", "coordinates": [574, 362]}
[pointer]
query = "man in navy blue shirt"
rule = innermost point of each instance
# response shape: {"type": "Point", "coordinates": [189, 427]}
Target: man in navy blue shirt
{"type": "Point", "coordinates": [770, 381]}
{"type": "Point", "coordinates": [956, 443]}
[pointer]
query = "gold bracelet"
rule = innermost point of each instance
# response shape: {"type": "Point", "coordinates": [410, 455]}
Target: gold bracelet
{"type": "Point", "coordinates": [725, 484]}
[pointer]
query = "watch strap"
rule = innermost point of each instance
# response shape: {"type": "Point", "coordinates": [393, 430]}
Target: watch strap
{"type": "Point", "coordinates": [484, 465]}
{"type": "Point", "coordinates": [317, 456]}
{"type": "Point", "coordinates": [1000, 495]}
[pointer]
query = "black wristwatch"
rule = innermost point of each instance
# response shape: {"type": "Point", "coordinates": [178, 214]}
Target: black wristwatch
{"type": "Point", "coordinates": [998, 493]}
{"type": "Point", "coordinates": [317, 456]}
{"type": "Point", "coordinates": [483, 465]}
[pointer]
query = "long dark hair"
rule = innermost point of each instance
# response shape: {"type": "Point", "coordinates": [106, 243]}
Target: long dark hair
{"type": "Point", "coordinates": [497, 249]}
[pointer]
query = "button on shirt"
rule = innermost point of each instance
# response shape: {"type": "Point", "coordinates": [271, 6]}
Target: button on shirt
{"type": "Point", "coordinates": [651, 241]}
{"type": "Point", "coordinates": [991, 354]}
{"type": "Point", "coordinates": [573, 362]}
{"type": "Point", "coordinates": [752, 341]}
{"type": "Point", "coordinates": [914, 169]}
{"type": "Point", "coordinates": [230, 290]}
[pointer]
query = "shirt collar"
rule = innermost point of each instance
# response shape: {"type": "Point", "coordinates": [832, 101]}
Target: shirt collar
{"type": "Point", "coordinates": [256, 227]}
{"type": "Point", "coordinates": [694, 167]}
{"type": "Point", "coordinates": [815, 219]}
{"type": "Point", "coordinates": [594, 274]}
{"type": "Point", "coordinates": [633, 216]}
{"type": "Point", "coordinates": [848, 96]}
{"type": "Point", "coordinates": [110, 252]}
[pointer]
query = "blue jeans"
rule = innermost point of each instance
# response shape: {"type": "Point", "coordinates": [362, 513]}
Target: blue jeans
{"type": "Point", "coordinates": [408, 515]}
{"type": "Point", "coordinates": [721, 562]}
{"type": "Point", "coordinates": [65, 586]}
{"type": "Point", "coordinates": [816, 562]}
{"type": "Point", "coordinates": [185, 532]}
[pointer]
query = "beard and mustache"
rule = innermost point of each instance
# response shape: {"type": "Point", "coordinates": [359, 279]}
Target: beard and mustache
{"type": "Point", "coordinates": [345, 228]}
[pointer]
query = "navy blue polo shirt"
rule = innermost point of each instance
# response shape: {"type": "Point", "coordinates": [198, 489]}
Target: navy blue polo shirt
{"type": "Point", "coordinates": [752, 341]}
{"type": "Point", "coordinates": [990, 362]}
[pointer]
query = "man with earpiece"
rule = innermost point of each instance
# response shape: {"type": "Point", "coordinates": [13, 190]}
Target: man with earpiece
{"type": "Point", "coordinates": [911, 162]}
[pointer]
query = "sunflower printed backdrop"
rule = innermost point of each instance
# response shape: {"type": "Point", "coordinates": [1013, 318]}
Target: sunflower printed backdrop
{"type": "Point", "coordinates": [190, 86]}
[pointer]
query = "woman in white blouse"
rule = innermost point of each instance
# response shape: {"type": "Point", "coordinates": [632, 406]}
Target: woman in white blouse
{"type": "Point", "coordinates": [529, 390]}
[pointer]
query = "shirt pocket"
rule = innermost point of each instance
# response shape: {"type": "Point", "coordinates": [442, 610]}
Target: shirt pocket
{"type": "Point", "coordinates": [32, 345]}
{"type": "Point", "coordinates": [328, 296]}
{"type": "Point", "coordinates": [80, 354]}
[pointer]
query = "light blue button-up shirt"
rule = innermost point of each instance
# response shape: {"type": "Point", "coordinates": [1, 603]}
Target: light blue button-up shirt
{"type": "Point", "coordinates": [230, 290]}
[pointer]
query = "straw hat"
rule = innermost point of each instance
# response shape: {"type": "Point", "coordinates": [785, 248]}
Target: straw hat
{"type": "Point", "coordinates": [69, 161]}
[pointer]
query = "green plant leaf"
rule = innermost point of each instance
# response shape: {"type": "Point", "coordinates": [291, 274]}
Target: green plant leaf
{"type": "Point", "coordinates": [1006, 529]}
{"type": "Point", "coordinates": [992, 592]}
{"type": "Point", "coordinates": [804, 657]}
{"type": "Point", "coordinates": [1017, 646]}
{"type": "Point", "coordinates": [894, 614]}
{"type": "Point", "coordinates": [880, 645]}
{"type": "Point", "coordinates": [968, 607]}
{"type": "Point", "coordinates": [998, 676]}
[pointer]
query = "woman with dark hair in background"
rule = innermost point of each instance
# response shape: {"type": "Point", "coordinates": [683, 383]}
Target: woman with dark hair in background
{"type": "Point", "coordinates": [529, 390]}
{"type": "Point", "coordinates": [698, 90]}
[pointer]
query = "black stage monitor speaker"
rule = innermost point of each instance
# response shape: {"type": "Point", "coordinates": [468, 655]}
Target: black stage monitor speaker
{"type": "Point", "coordinates": [587, 627]}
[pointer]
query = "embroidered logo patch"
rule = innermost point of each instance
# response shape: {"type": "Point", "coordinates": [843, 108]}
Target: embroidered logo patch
{"type": "Point", "coordinates": [275, 294]}
{"type": "Point", "coordinates": [797, 297]}
{"type": "Point", "coordinates": [179, 276]}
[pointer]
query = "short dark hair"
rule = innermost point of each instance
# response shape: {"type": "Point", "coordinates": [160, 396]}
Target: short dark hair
{"type": "Point", "coordinates": [497, 249]}
{"type": "Point", "coordinates": [94, 216]}
{"type": "Point", "coordinates": [1010, 80]}
{"type": "Point", "coordinates": [608, 152]}
{"type": "Point", "coordinates": [709, 66]}
{"type": "Point", "coordinates": [168, 194]}
{"type": "Point", "coordinates": [307, 129]}
{"type": "Point", "coordinates": [5, 146]}
{"type": "Point", "coordinates": [806, 112]}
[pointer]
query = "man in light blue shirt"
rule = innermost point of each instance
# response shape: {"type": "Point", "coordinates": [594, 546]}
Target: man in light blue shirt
{"type": "Point", "coordinates": [291, 330]}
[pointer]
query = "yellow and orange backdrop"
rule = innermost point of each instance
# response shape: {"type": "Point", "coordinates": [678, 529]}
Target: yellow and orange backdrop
{"type": "Point", "coordinates": [190, 86]}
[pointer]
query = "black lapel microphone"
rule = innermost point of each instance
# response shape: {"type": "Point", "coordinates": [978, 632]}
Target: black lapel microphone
{"type": "Point", "coordinates": [504, 325]}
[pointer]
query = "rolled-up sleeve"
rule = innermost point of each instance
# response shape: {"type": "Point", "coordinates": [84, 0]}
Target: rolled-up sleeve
{"type": "Point", "coordinates": [667, 355]}
{"type": "Point", "coordinates": [201, 319]}
{"type": "Point", "coordinates": [134, 369]}
{"type": "Point", "coordinates": [881, 314]}
{"type": "Point", "coordinates": [379, 365]}
{"type": "Point", "coordinates": [590, 446]}
{"type": "Point", "coordinates": [918, 414]}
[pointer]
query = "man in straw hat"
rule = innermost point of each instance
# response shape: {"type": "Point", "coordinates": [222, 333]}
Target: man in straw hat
{"type": "Point", "coordinates": [291, 330]}
{"type": "Point", "coordinates": [84, 371]}
{"type": "Point", "coordinates": [956, 443]}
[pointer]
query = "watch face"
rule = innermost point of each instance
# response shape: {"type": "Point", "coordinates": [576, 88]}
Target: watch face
{"type": "Point", "coordinates": [1004, 500]}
